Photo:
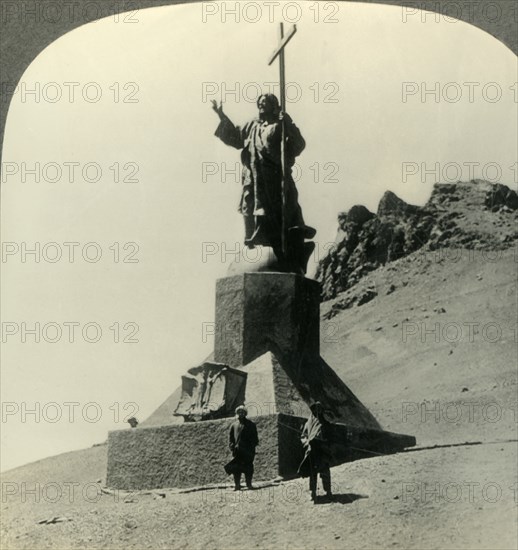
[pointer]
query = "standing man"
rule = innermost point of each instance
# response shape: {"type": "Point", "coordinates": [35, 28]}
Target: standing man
{"type": "Point", "coordinates": [316, 440]}
{"type": "Point", "coordinates": [242, 442]}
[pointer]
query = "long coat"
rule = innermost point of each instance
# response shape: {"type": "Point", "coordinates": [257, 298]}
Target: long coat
{"type": "Point", "coordinates": [243, 440]}
{"type": "Point", "coordinates": [316, 438]}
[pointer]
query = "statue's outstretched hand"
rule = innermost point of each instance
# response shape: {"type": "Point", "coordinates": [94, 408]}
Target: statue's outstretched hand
{"type": "Point", "coordinates": [216, 108]}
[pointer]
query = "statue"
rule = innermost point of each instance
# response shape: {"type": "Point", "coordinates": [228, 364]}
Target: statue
{"type": "Point", "coordinates": [269, 199]}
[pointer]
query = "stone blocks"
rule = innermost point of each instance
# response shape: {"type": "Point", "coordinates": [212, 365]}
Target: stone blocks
{"type": "Point", "coordinates": [260, 312]}
{"type": "Point", "coordinates": [185, 455]}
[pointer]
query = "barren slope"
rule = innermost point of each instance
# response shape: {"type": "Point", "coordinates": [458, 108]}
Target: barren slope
{"type": "Point", "coordinates": [434, 354]}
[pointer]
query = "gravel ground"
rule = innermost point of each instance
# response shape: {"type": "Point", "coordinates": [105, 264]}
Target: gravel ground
{"type": "Point", "coordinates": [451, 497]}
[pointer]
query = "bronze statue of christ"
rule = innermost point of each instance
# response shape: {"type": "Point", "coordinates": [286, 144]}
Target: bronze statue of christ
{"type": "Point", "coordinates": [268, 195]}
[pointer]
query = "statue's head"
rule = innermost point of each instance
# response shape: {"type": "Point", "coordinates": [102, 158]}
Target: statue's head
{"type": "Point", "coordinates": [268, 106]}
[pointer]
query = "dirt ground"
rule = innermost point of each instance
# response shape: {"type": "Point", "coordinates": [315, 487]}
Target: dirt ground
{"type": "Point", "coordinates": [461, 496]}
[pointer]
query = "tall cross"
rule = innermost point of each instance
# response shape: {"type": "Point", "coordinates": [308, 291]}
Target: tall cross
{"type": "Point", "coordinates": [279, 52]}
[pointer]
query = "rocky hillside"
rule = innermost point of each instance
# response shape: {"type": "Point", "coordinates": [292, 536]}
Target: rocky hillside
{"type": "Point", "coordinates": [472, 215]}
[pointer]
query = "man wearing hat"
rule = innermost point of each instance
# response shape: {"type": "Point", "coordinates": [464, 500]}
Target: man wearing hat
{"type": "Point", "coordinates": [315, 439]}
{"type": "Point", "coordinates": [242, 442]}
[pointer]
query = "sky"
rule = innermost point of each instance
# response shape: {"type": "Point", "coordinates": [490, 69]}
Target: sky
{"type": "Point", "coordinates": [119, 135]}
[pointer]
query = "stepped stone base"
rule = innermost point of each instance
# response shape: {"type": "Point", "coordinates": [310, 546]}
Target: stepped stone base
{"type": "Point", "coordinates": [194, 454]}
{"type": "Point", "coordinates": [267, 327]}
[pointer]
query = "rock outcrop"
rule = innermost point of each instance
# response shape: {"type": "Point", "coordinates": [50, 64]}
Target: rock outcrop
{"type": "Point", "coordinates": [475, 214]}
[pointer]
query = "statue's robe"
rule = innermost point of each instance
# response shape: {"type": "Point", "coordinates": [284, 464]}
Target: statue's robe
{"type": "Point", "coordinates": [261, 198]}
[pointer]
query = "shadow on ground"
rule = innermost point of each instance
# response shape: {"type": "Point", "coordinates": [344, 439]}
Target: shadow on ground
{"type": "Point", "coordinates": [345, 498]}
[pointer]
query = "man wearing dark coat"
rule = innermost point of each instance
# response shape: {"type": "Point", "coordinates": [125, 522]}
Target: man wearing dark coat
{"type": "Point", "coordinates": [261, 199]}
{"type": "Point", "coordinates": [316, 439]}
{"type": "Point", "coordinates": [242, 442]}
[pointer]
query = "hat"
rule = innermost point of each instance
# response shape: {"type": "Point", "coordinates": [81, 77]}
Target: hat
{"type": "Point", "coordinates": [241, 408]}
{"type": "Point", "coordinates": [314, 404]}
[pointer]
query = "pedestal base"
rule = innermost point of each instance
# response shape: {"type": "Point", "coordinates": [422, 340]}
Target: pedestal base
{"type": "Point", "coordinates": [267, 327]}
{"type": "Point", "coordinates": [194, 454]}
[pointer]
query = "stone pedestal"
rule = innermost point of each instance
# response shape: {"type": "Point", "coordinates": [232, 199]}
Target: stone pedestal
{"type": "Point", "coordinates": [185, 455]}
{"type": "Point", "coordinates": [260, 312]}
{"type": "Point", "coordinates": [193, 454]}
{"type": "Point", "coordinates": [267, 327]}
